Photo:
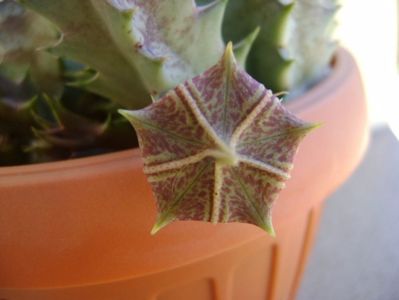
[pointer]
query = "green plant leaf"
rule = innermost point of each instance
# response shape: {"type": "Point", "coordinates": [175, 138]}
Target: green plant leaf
{"type": "Point", "coordinates": [294, 47]}
{"type": "Point", "coordinates": [23, 32]}
{"type": "Point", "coordinates": [138, 48]}
{"type": "Point", "coordinates": [217, 148]}
{"type": "Point", "coordinates": [64, 129]}
{"type": "Point", "coordinates": [22, 36]}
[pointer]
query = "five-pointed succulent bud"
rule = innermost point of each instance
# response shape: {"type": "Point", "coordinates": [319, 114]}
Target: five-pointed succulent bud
{"type": "Point", "coordinates": [218, 147]}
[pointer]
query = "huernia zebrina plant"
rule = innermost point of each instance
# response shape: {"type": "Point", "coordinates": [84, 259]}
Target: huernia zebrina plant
{"type": "Point", "coordinates": [217, 144]}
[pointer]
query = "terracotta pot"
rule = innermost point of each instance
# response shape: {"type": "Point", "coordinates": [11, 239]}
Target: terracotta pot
{"type": "Point", "coordinates": [79, 229]}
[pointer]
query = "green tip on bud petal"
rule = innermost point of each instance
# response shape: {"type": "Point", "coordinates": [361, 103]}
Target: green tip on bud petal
{"type": "Point", "coordinates": [229, 54]}
{"type": "Point", "coordinates": [124, 113]}
{"type": "Point", "coordinates": [162, 221]}
{"type": "Point", "coordinates": [268, 227]}
{"type": "Point", "coordinates": [311, 126]}
{"type": "Point", "coordinates": [128, 114]}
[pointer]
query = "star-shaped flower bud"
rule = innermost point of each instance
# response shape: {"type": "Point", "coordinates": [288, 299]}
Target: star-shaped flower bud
{"type": "Point", "coordinates": [217, 148]}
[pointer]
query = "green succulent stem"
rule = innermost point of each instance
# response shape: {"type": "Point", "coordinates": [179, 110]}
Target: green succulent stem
{"type": "Point", "coordinates": [294, 47]}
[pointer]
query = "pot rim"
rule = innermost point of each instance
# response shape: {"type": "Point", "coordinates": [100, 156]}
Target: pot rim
{"type": "Point", "coordinates": [298, 105]}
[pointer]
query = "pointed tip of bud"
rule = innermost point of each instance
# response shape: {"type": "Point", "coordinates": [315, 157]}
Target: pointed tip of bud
{"type": "Point", "coordinates": [135, 117]}
{"type": "Point", "coordinates": [316, 125]}
{"type": "Point", "coordinates": [124, 112]}
{"type": "Point", "coordinates": [155, 229]}
{"type": "Point", "coordinates": [128, 114]}
{"type": "Point", "coordinates": [161, 222]}
{"type": "Point", "coordinates": [311, 126]}
{"type": "Point", "coordinates": [304, 129]}
{"type": "Point", "coordinates": [268, 227]}
{"type": "Point", "coordinates": [228, 57]}
{"type": "Point", "coordinates": [229, 50]}
{"type": "Point", "coordinates": [271, 232]}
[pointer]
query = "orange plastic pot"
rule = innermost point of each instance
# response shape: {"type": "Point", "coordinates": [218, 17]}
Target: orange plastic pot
{"type": "Point", "coordinates": [80, 229]}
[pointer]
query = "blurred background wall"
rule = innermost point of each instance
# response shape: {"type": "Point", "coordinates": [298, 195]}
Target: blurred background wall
{"type": "Point", "coordinates": [369, 29]}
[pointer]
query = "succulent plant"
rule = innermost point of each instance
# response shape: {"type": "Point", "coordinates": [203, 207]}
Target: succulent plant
{"type": "Point", "coordinates": [142, 48]}
{"type": "Point", "coordinates": [39, 128]}
{"type": "Point", "coordinates": [295, 46]}
{"type": "Point", "coordinates": [217, 145]}
{"type": "Point", "coordinates": [42, 117]}
{"type": "Point", "coordinates": [22, 33]}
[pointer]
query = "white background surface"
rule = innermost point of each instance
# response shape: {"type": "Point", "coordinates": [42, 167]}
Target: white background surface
{"type": "Point", "coordinates": [368, 29]}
